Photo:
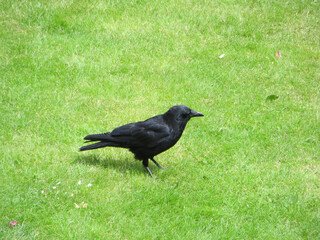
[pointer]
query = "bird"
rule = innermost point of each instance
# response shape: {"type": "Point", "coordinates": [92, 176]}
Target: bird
{"type": "Point", "coordinates": [146, 139]}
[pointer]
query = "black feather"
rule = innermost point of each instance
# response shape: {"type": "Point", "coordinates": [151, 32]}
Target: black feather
{"type": "Point", "coordinates": [94, 146]}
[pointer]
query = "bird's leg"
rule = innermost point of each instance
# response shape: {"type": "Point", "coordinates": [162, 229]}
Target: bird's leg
{"type": "Point", "coordinates": [145, 164]}
{"type": "Point", "coordinates": [155, 162]}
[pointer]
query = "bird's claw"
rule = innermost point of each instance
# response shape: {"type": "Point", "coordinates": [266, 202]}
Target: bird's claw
{"type": "Point", "coordinates": [156, 163]}
{"type": "Point", "coordinates": [149, 171]}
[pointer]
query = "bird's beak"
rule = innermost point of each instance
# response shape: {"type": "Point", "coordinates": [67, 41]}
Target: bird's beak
{"type": "Point", "coordinates": [196, 114]}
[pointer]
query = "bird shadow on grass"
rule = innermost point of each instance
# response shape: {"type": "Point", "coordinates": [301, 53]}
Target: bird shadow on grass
{"type": "Point", "coordinates": [124, 165]}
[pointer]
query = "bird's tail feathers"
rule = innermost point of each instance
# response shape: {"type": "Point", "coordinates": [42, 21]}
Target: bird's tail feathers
{"type": "Point", "coordinates": [98, 137]}
{"type": "Point", "coordinates": [96, 145]}
{"type": "Point", "coordinates": [105, 140]}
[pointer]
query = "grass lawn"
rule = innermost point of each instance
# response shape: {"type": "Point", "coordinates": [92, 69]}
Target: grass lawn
{"type": "Point", "coordinates": [249, 169]}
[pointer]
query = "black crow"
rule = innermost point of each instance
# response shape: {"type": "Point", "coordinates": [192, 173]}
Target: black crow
{"type": "Point", "coordinates": [148, 138]}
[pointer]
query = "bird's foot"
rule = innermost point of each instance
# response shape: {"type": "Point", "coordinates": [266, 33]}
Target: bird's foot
{"type": "Point", "coordinates": [155, 162]}
{"type": "Point", "coordinates": [149, 171]}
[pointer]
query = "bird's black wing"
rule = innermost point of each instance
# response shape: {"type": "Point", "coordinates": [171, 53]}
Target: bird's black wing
{"type": "Point", "coordinates": [142, 134]}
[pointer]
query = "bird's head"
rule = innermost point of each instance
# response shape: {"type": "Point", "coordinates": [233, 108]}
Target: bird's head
{"type": "Point", "coordinates": [181, 113]}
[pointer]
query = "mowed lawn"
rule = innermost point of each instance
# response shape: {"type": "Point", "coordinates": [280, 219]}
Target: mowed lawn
{"type": "Point", "coordinates": [249, 169]}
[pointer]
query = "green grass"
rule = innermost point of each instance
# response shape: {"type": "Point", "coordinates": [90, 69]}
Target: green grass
{"type": "Point", "coordinates": [249, 169]}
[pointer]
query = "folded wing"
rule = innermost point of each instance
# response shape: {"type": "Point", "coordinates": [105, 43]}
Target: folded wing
{"type": "Point", "coordinates": [142, 134]}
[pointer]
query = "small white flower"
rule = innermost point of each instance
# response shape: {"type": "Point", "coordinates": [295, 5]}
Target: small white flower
{"type": "Point", "coordinates": [222, 128]}
{"type": "Point", "coordinates": [79, 182]}
{"type": "Point", "coordinates": [89, 185]}
{"type": "Point", "coordinates": [58, 183]}
{"type": "Point", "coordinates": [222, 56]}
{"type": "Point", "coordinates": [54, 187]}
{"type": "Point", "coordinates": [42, 192]}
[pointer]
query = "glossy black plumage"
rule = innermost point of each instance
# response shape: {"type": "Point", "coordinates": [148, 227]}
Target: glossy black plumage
{"type": "Point", "coordinates": [148, 138]}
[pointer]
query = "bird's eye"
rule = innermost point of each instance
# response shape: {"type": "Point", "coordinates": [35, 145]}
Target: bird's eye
{"type": "Point", "coordinates": [184, 115]}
